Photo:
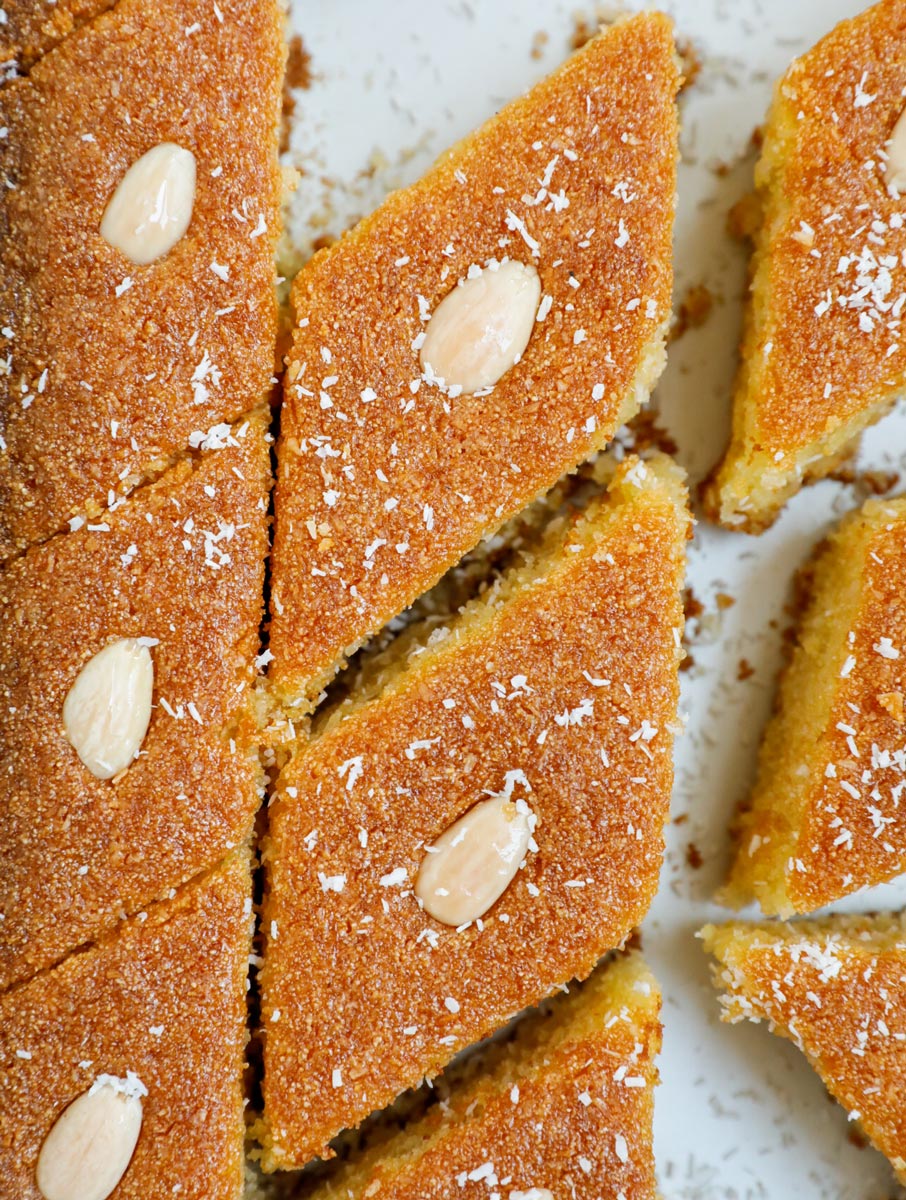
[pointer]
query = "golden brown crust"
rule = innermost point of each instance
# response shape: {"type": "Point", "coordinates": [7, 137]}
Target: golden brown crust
{"type": "Point", "coordinates": [163, 997]}
{"type": "Point", "coordinates": [356, 980]}
{"type": "Point", "coordinates": [822, 353]}
{"type": "Point", "coordinates": [835, 988]}
{"type": "Point", "coordinates": [567, 1106]}
{"type": "Point", "coordinates": [33, 27]}
{"type": "Point", "coordinates": [182, 561]}
{"type": "Point", "coordinates": [103, 390]}
{"type": "Point", "coordinates": [602, 132]}
{"type": "Point", "coordinates": [826, 816]}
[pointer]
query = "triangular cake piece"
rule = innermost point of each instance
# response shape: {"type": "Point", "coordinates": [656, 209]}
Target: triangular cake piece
{"type": "Point", "coordinates": [111, 362]}
{"type": "Point", "coordinates": [30, 28]}
{"type": "Point", "coordinates": [479, 335]}
{"type": "Point", "coordinates": [147, 1028]}
{"type": "Point", "coordinates": [479, 829]}
{"type": "Point", "coordinates": [826, 816]}
{"type": "Point", "coordinates": [127, 735]}
{"type": "Point", "coordinates": [564, 1109]}
{"type": "Point", "coordinates": [837, 988]}
{"type": "Point", "coordinates": [823, 354]}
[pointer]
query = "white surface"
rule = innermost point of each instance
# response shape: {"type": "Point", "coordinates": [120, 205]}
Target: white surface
{"type": "Point", "coordinates": [739, 1113]}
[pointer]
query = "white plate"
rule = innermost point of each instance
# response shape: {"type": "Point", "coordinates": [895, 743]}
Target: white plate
{"type": "Point", "coordinates": [739, 1113]}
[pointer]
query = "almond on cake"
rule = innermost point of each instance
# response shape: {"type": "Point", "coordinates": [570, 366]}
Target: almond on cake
{"type": "Point", "coordinates": [837, 988]}
{"type": "Point", "coordinates": [478, 336]}
{"type": "Point", "coordinates": [121, 1069]}
{"type": "Point", "coordinates": [480, 825]}
{"type": "Point", "coordinates": [127, 732]}
{"type": "Point", "coordinates": [562, 1109]}
{"type": "Point", "coordinates": [825, 816]}
{"type": "Point", "coordinates": [823, 355]}
{"type": "Point", "coordinates": [139, 221]}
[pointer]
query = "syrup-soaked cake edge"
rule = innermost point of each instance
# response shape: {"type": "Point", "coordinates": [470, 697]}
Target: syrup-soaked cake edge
{"type": "Point", "coordinates": [776, 806]}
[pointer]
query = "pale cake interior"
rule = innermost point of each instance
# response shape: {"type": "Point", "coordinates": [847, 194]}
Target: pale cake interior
{"type": "Point", "coordinates": [623, 990]}
{"type": "Point", "coordinates": [749, 488]}
{"type": "Point", "coordinates": [792, 758]}
{"type": "Point", "coordinates": [540, 531]}
{"type": "Point", "coordinates": [764, 466]}
{"type": "Point", "coordinates": [833, 987]}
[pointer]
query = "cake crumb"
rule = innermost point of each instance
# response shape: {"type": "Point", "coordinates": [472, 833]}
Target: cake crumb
{"type": "Point", "coordinates": [694, 310]}
{"type": "Point", "coordinates": [297, 78]}
{"type": "Point", "coordinates": [646, 434]}
{"type": "Point", "coordinates": [690, 62]}
{"type": "Point", "coordinates": [584, 29]}
{"type": "Point", "coordinates": [865, 484]}
{"type": "Point", "coordinates": [539, 41]}
{"type": "Point", "coordinates": [892, 703]}
{"type": "Point", "coordinates": [694, 856]}
{"type": "Point", "coordinates": [744, 218]}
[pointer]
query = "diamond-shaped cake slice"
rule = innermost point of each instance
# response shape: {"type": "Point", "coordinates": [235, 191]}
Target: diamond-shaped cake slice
{"type": "Point", "coordinates": [127, 737]}
{"type": "Point", "coordinates": [837, 988]}
{"type": "Point", "coordinates": [823, 354]}
{"type": "Point", "coordinates": [124, 142]}
{"type": "Point", "coordinates": [479, 829]}
{"type": "Point", "coordinates": [479, 335]}
{"type": "Point", "coordinates": [563, 1109]}
{"type": "Point", "coordinates": [826, 816]}
{"type": "Point", "coordinates": [141, 1034]}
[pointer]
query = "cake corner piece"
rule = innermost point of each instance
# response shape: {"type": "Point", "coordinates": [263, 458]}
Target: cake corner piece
{"type": "Point", "coordinates": [833, 986]}
{"type": "Point", "coordinates": [823, 818]}
{"type": "Point", "coordinates": [821, 357]}
{"type": "Point", "coordinates": [121, 1061]}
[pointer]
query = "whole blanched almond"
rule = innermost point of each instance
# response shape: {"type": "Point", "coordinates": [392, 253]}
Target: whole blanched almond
{"type": "Point", "coordinates": [152, 206]}
{"type": "Point", "coordinates": [88, 1150]}
{"type": "Point", "coordinates": [895, 169]}
{"type": "Point", "coordinates": [481, 328]}
{"type": "Point", "coordinates": [473, 862]}
{"type": "Point", "coordinates": [533, 1194]}
{"type": "Point", "coordinates": [107, 710]}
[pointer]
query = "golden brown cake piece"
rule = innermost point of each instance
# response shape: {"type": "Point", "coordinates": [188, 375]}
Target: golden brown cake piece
{"type": "Point", "coordinates": [482, 829]}
{"type": "Point", "coordinates": [822, 354]}
{"type": "Point", "coordinates": [826, 816]}
{"type": "Point", "coordinates": [131, 636]}
{"type": "Point", "coordinates": [404, 438]}
{"type": "Point", "coordinates": [110, 364]}
{"type": "Point", "coordinates": [141, 1034]}
{"type": "Point", "coordinates": [29, 28]}
{"type": "Point", "coordinates": [837, 988]}
{"type": "Point", "coordinates": [565, 1107]}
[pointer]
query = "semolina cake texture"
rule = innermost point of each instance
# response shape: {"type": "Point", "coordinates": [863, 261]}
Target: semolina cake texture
{"type": "Point", "coordinates": [837, 988]}
{"type": "Point", "coordinates": [564, 1108]}
{"type": "Point", "coordinates": [173, 577]}
{"type": "Point", "coordinates": [825, 816]}
{"type": "Point", "coordinates": [553, 220]}
{"type": "Point", "coordinates": [32, 27]}
{"type": "Point", "coordinates": [527, 746]}
{"type": "Point", "coordinates": [155, 1011]}
{"type": "Point", "coordinates": [823, 354]}
{"type": "Point", "coordinates": [110, 365]}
